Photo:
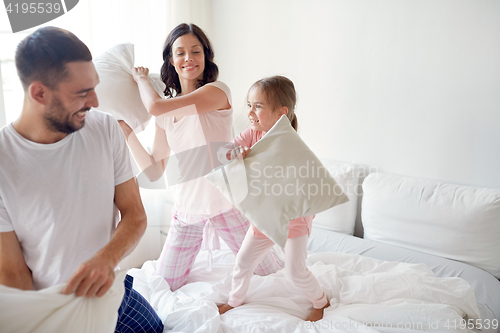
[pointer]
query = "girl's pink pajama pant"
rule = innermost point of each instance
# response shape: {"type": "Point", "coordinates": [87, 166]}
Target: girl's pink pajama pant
{"type": "Point", "coordinates": [254, 248]}
{"type": "Point", "coordinates": [185, 238]}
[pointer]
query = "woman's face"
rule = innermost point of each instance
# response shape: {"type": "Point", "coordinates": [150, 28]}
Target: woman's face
{"type": "Point", "coordinates": [188, 57]}
{"type": "Point", "coordinates": [260, 113]}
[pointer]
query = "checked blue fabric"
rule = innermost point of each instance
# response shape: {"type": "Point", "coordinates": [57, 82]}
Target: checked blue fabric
{"type": "Point", "coordinates": [135, 314]}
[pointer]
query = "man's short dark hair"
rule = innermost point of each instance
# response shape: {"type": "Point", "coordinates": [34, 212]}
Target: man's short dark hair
{"type": "Point", "coordinates": [43, 55]}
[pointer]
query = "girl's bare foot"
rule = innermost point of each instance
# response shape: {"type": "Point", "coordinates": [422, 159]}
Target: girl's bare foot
{"type": "Point", "coordinates": [316, 314]}
{"type": "Point", "coordinates": [224, 307]}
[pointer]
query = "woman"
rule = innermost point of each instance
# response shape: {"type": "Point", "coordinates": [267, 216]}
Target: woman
{"type": "Point", "coordinates": [191, 124]}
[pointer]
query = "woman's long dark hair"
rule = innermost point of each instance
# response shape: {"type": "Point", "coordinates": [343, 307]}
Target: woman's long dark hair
{"type": "Point", "coordinates": [168, 74]}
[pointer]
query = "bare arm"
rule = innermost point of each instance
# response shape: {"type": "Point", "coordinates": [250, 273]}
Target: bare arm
{"type": "Point", "coordinates": [13, 269]}
{"type": "Point", "coordinates": [95, 276]}
{"type": "Point", "coordinates": [153, 166]}
{"type": "Point", "coordinates": [202, 100]}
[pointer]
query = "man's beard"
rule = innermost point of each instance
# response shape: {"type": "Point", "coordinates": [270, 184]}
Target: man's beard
{"type": "Point", "coordinates": [58, 119]}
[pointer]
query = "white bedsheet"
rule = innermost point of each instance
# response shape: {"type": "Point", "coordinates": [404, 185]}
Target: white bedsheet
{"type": "Point", "coordinates": [387, 295]}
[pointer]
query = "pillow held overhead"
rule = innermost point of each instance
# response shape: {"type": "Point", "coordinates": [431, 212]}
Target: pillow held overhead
{"type": "Point", "coordinates": [117, 91]}
{"type": "Point", "coordinates": [281, 179]}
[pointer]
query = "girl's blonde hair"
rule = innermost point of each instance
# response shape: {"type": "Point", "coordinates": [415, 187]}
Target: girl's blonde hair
{"type": "Point", "coordinates": [279, 92]}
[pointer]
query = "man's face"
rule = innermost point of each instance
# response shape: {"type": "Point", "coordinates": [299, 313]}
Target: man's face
{"type": "Point", "coordinates": [73, 98]}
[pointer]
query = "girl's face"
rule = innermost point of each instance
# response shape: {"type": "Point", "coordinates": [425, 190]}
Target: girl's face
{"type": "Point", "coordinates": [260, 113]}
{"type": "Point", "coordinates": [188, 57]}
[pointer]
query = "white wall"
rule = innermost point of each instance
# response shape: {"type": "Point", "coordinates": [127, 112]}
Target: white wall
{"type": "Point", "coordinates": [410, 87]}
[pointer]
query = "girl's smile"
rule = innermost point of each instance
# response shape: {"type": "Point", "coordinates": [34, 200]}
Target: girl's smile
{"type": "Point", "coordinates": [261, 114]}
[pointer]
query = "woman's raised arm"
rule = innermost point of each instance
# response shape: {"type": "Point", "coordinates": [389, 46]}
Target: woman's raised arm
{"type": "Point", "coordinates": [203, 99]}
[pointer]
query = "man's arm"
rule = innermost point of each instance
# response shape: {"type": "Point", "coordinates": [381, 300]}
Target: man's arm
{"type": "Point", "coordinates": [95, 276]}
{"type": "Point", "coordinates": [13, 269]}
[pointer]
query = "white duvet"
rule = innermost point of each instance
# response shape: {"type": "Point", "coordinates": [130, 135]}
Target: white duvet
{"type": "Point", "coordinates": [366, 295]}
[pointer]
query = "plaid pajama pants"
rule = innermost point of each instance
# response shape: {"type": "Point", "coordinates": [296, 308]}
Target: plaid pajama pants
{"type": "Point", "coordinates": [135, 314]}
{"type": "Point", "coordinates": [185, 238]}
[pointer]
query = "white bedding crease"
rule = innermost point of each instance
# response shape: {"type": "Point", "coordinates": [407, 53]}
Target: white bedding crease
{"type": "Point", "coordinates": [366, 295]}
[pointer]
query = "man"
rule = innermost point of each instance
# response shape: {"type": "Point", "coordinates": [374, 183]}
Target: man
{"type": "Point", "coordinates": [64, 175]}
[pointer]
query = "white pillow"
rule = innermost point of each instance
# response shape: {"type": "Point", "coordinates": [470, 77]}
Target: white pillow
{"type": "Point", "coordinates": [117, 91]}
{"type": "Point", "coordinates": [279, 180]}
{"type": "Point", "coordinates": [450, 221]}
{"type": "Point", "coordinates": [341, 218]}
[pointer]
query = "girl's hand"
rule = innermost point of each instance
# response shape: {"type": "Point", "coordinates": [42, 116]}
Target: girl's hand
{"type": "Point", "coordinates": [235, 151]}
{"type": "Point", "coordinates": [244, 151]}
{"type": "Point", "coordinates": [127, 130]}
{"type": "Point", "coordinates": [139, 72]}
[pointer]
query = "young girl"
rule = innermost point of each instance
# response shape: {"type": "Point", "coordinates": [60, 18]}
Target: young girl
{"type": "Point", "coordinates": [268, 100]}
{"type": "Point", "coordinates": [191, 122]}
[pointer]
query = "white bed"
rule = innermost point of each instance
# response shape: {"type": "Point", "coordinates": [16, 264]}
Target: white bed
{"type": "Point", "coordinates": [372, 286]}
{"type": "Point", "coordinates": [274, 305]}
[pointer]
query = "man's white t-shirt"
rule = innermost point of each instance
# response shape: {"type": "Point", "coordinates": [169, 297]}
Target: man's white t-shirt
{"type": "Point", "coordinates": [59, 198]}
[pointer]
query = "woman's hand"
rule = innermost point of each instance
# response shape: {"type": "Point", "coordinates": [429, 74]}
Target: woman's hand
{"type": "Point", "coordinates": [127, 130]}
{"type": "Point", "coordinates": [139, 72]}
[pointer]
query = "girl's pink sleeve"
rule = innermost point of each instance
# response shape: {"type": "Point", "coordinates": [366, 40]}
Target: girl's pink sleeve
{"type": "Point", "coordinates": [245, 139]}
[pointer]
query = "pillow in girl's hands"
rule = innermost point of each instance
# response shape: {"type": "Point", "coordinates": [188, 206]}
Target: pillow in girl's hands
{"type": "Point", "coordinates": [117, 91]}
{"type": "Point", "coordinates": [281, 179]}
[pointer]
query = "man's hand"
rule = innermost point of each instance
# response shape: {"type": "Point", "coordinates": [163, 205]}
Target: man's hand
{"type": "Point", "coordinates": [92, 278]}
